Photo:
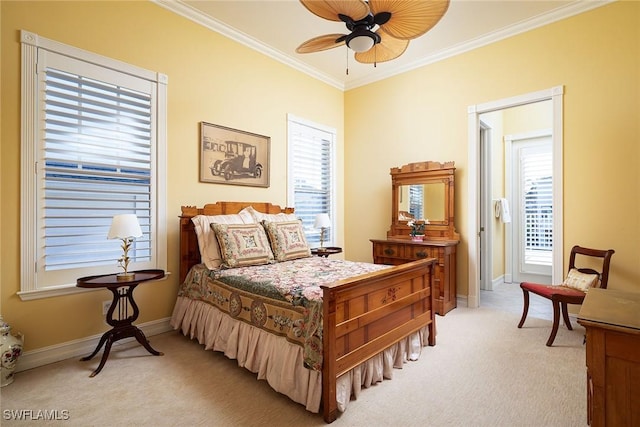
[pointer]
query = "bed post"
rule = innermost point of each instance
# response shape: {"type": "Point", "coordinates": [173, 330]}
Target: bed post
{"type": "Point", "coordinates": [329, 405]}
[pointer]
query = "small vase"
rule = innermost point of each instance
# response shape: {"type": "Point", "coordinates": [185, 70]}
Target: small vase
{"type": "Point", "coordinates": [10, 351]}
{"type": "Point", "coordinates": [417, 237]}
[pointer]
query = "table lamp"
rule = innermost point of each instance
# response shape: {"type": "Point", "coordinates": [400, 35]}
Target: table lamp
{"type": "Point", "coordinates": [322, 222]}
{"type": "Point", "coordinates": [125, 227]}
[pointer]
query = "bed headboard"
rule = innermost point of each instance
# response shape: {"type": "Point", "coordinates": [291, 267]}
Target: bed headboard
{"type": "Point", "coordinates": [189, 249]}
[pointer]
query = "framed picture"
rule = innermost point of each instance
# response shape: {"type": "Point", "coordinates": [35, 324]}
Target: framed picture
{"type": "Point", "coordinates": [231, 156]}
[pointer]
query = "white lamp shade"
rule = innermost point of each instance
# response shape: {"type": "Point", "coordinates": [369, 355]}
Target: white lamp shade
{"type": "Point", "coordinates": [124, 226]}
{"type": "Point", "coordinates": [322, 221]}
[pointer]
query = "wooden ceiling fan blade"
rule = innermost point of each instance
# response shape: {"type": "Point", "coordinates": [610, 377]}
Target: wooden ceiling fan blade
{"type": "Point", "coordinates": [330, 9]}
{"type": "Point", "coordinates": [320, 43]}
{"type": "Point", "coordinates": [389, 48]}
{"type": "Point", "coordinates": [409, 19]}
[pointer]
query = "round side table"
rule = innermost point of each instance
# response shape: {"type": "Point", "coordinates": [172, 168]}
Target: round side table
{"type": "Point", "coordinates": [122, 326]}
{"type": "Point", "coordinates": [325, 252]}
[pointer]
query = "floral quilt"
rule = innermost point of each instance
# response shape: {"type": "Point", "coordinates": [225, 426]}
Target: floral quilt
{"type": "Point", "coordinates": [284, 298]}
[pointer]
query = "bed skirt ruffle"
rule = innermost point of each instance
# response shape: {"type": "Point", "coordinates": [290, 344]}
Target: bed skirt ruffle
{"type": "Point", "coordinates": [280, 362]}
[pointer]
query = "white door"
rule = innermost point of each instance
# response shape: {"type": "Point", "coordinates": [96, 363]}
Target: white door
{"type": "Point", "coordinates": [486, 230]}
{"type": "Point", "coordinates": [532, 209]}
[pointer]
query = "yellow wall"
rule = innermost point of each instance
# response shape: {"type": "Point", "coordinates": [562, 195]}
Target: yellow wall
{"type": "Point", "coordinates": [211, 78]}
{"type": "Point", "coordinates": [422, 115]}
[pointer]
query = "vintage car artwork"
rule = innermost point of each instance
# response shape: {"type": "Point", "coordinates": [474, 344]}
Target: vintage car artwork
{"type": "Point", "coordinates": [230, 156]}
{"type": "Point", "coordinates": [240, 160]}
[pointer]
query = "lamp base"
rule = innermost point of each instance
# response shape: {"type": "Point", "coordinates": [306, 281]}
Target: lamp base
{"type": "Point", "coordinates": [125, 277]}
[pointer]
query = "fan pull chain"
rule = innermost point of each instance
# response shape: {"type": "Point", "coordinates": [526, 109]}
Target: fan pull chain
{"type": "Point", "coordinates": [347, 50]}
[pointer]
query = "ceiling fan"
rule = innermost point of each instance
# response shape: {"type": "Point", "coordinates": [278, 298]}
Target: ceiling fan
{"type": "Point", "coordinates": [380, 30]}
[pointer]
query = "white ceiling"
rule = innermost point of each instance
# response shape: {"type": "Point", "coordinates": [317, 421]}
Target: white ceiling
{"type": "Point", "coordinates": [277, 27]}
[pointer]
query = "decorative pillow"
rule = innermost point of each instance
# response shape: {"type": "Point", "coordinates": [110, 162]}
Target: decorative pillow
{"type": "Point", "coordinates": [242, 244]}
{"type": "Point", "coordinates": [580, 281]}
{"type": "Point", "coordinates": [280, 217]}
{"type": "Point", "coordinates": [207, 241]}
{"type": "Point", "coordinates": [287, 240]}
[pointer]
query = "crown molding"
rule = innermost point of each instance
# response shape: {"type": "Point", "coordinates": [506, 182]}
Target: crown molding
{"type": "Point", "coordinates": [572, 9]}
{"type": "Point", "coordinates": [198, 17]}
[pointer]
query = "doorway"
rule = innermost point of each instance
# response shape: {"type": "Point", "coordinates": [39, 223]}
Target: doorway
{"type": "Point", "coordinates": [481, 186]}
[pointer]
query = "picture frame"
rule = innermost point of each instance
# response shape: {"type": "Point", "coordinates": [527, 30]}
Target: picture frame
{"type": "Point", "coordinates": [234, 157]}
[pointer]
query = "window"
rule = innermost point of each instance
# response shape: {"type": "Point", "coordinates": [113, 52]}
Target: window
{"type": "Point", "coordinates": [537, 184]}
{"type": "Point", "coordinates": [311, 167]}
{"type": "Point", "coordinates": [93, 141]}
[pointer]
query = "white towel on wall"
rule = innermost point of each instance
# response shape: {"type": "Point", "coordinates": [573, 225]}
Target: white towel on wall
{"type": "Point", "coordinates": [505, 214]}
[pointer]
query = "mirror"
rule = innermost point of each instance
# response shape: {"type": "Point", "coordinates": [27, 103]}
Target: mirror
{"type": "Point", "coordinates": [422, 201]}
{"type": "Point", "coordinates": [423, 190]}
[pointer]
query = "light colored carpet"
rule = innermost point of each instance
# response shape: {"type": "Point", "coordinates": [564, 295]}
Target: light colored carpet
{"type": "Point", "coordinates": [482, 372]}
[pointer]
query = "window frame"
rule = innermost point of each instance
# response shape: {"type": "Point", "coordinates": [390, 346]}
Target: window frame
{"type": "Point", "coordinates": [31, 132]}
{"type": "Point", "coordinates": [292, 119]}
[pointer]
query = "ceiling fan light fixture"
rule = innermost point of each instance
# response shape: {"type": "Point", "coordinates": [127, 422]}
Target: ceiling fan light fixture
{"type": "Point", "coordinates": [380, 30]}
{"type": "Point", "coordinates": [361, 43]}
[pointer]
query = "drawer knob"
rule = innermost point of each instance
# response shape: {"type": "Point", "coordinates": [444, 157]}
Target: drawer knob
{"type": "Point", "coordinates": [421, 254]}
{"type": "Point", "coordinates": [389, 251]}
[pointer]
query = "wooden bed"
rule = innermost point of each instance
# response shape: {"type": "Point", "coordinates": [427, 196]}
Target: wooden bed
{"type": "Point", "coordinates": [362, 316]}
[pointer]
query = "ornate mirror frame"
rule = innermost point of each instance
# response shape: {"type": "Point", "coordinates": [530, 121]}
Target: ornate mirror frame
{"type": "Point", "coordinates": [424, 173]}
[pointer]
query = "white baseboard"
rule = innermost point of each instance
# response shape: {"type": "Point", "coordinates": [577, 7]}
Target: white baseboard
{"type": "Point", "coordinates": [498, 281]}
{"type": "Point", "coordinates": [83, 347]}
{"type": "Point", "coordinates": [461, 300]}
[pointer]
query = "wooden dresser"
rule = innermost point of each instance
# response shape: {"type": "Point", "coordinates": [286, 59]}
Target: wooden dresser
{"type": "Point", "coordinates": [424, 191]}
{"type": "Point", "coordinates": [612, 322]}
{"type": "Point", "coordinates": [400, 251]}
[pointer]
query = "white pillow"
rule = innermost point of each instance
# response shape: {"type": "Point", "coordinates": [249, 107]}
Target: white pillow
{"type": "Point", "coordinates": [279, 217]}
{"type": "Point", "coordinates": [580, 281]}
{"type": "Point", "coordinates": [207, 241]}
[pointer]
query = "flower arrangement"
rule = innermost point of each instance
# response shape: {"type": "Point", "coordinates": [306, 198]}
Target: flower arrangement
{"type": "Point", "coordinates": [417, 226]}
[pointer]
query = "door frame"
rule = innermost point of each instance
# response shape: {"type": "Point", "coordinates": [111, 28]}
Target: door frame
{"type": "Point", "coordinates": [555, 94]}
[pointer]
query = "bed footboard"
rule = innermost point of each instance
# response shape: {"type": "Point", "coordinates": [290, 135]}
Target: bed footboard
{"type": "Point", "coordinates": [367, 314]}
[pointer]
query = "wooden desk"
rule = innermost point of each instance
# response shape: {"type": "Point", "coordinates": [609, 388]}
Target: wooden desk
{"type": "Point", "coordinates": [612, 322]}
{"type": "Point", "coordinates": [122, 327]}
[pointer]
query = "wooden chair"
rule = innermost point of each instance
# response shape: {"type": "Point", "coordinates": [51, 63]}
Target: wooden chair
{"type": "Point", "coordinates": [561, 295]}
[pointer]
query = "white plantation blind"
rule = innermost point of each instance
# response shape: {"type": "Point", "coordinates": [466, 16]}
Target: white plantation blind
{"type": "Point", "coordinates": [311, 165]}
{"type": "Point", "coordinates": [97, 163]}
{"type": "Point", "coordinates": [536, 175]}
{"type": "Point", "coordinates": [93, 140]}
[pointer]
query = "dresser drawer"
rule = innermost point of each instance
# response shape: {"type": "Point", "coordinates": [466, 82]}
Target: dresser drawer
{"type": "Point", "coordinates": [390, 250]}
{"type": "Point", "coordinates": [422, 252]}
